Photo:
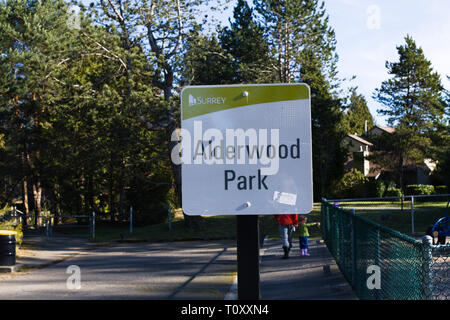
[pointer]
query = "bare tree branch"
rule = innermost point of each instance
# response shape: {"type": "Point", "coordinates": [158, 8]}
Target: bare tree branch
{"type": "Point", "coordinates": [105, 49]}
{"type": "Point", "coordinates": [118, 15]}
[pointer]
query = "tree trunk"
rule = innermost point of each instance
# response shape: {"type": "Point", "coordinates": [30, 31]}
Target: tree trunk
{"type": "Point", "coordinates": [26, 210]}
{"type": "Point", "coordinates": [121, 200]}
{"type": "Point", "coordinates": [90, 205]}
{"type": "Point", "coordinates": [37, 194]}
{"type": "Point", "coordinates": [56, 207]}
{"type": "Point", "coordinates": [30, 201]}
{"type": "Point", "coordinates": [111, 198]}
{"type": "Point", "coordinates": [402, 187]}
{"type": "Point", "coordinates": [189, 221]}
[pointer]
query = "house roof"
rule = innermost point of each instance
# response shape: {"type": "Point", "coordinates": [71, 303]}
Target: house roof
{"type": "Point", "coordinates": [386, 129]}
{"type": "Point", "coordinates": [359, 139]}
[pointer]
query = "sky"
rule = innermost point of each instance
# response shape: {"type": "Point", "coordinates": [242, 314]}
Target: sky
{"type": "Point", "coordinates": [369, 31]}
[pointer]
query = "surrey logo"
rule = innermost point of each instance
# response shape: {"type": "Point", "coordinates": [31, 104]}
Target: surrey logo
{"type": "Point", "coordinates": [205, 100]}
{"type": "Point", "coordinates": [192, 100]}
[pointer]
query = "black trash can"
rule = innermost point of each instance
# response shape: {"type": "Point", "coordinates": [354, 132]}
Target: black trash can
{"type": "Point", "coordinates": [7, 248]}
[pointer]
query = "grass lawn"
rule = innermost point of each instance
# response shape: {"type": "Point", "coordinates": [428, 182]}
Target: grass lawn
{"type": "Point", "coordinates": [213, 227]}
{"type": "Point", "coordinates": [401, 220]}
{"type": "Point", "coordinates": [394, 204]}
{"type": "Point", "coordinates": [390, 214]}
{"type": "Point", "coordinates": [216, 227]}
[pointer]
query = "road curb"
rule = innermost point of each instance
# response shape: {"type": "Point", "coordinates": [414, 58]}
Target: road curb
{"type": "Point", "coordinates": [26, 267]}
{"type": "Point", "coordinates": [8, 269]}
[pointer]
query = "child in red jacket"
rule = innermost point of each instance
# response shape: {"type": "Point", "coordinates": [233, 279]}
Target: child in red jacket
{"type": "Point", "coordinates": [287, 224]}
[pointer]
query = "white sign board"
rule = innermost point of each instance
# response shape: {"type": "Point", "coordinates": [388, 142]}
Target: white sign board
{"type": "Point", "coordinates": [246, 149]}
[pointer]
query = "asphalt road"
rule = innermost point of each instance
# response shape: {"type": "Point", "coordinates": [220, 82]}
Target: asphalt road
{"type": "Point", "coordinates": [177, 270]}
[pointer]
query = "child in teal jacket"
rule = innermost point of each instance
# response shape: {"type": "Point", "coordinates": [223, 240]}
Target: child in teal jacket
{"type": "Point", "coordinates": [304, 234]}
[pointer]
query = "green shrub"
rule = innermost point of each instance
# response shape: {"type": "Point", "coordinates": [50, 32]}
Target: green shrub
{"type": "Point", "coordinates": [441, 189]}
{"type": "Point", "coordinates": [380, 188]}
{"type": "Point", "coordinates": [375, 188]}
{"type": "Point", "coordinates": [393, 192]}
{"type": "Point", "coordinates": [150, 203]}
{"type": "Point", "coordinates": [420, 189]}
{"type": "Point", "coordinates": [351, 185]}
{"type": "Point", "coordinates": [390, 185]}
{"type": "Point", "coordinates": [8, 225]}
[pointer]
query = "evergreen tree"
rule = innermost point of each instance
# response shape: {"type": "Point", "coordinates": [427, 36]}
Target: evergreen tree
{"type": "Point", "coordinates": [440, 147]}
{"type": "Point", "coordinates": [298, 31]}
{"type": "Point", "coordinates": [162, 27]}
{"type": "Point", "coordinates": [303, 46]}
{"type": "Point", "coordinates": [413, 97]}
{"type": "Point", "coordinates": [358, 116]}
{"type": "Point", "coordinates": [244, 41]}
{"type": "Point", "coordinates": [70, 114]}
{"type": "Point", "coordinates": [413, 103]}
{"type": "Point", "coordinates": [35, 43]}
{"type": "Point", "coordinates": [205, 62]}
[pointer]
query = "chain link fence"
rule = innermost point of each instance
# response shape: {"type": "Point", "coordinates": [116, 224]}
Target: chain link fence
{"type": "Point", "coordinates": [440, 273]}
{"type": "Point", "coordinates": [13, 219]}
{"type": "Point", "coordinates": [381, 263]}
{"type": "Point", "coordinates": [412, 215]}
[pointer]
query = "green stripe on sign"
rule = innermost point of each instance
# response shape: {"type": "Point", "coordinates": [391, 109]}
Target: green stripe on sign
{"type": "Point", "coordinates": [200, 100]}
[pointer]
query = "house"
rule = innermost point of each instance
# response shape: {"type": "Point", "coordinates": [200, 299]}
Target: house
{"type": "Point", "coordinates": [359, 150]}
{"type": "Point", "coordinates": [379, 130]}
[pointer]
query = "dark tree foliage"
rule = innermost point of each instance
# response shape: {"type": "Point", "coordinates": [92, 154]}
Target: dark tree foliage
{"type": "Point", "coordinates": [413, 101]}
{"type": "Point", "coordinates": [206, 63]}
{"type": "Point", "coordinates": [245, 43]}
{"type": "Point", "coordinates": [87, 112]}
{"type": "Point", "coordinates": [358, 117]}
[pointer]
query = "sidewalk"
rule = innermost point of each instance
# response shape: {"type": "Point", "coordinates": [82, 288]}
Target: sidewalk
{"type": "Point", "coordinates": [316, 277]}
{"type": "Point", "coordinates": [39, 251]}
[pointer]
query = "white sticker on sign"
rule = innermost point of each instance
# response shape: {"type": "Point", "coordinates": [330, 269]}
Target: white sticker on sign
{"type": "Point", "coordinates": [285, 198]}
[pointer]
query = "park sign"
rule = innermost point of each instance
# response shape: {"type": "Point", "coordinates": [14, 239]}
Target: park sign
{"type": "Point", "coordinates": [245, 149]}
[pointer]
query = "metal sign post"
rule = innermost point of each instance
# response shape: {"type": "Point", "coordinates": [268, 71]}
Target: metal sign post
{"type": "Point", "coordinates": [245, 150]}
{"type": "Point", "coordinates": [248, 257]}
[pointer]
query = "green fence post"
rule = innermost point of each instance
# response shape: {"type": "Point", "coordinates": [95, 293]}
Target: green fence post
{"type": "Point", "coordinates": [341, 240]}
{"type": "Point", "coordinates": [353, 248]}
{"type": "Point", "coordinates": [427, 268]}
{"type": "Point", "coordinates": [377, 261]}
{"type": "Point", "coordinates": [412, 216]}
{"type": "Point", "coordinates": [324, 218]}
{"type": "Point", "coordinates": [327, 225]}
{"type": "Point", "coordinates": [323, 224]}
